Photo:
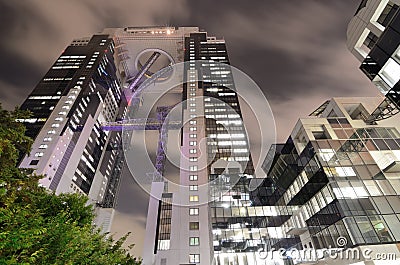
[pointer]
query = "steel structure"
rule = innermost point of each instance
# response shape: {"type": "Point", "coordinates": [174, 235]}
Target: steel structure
{"type": "Point", "coordinates": [160, 123]}
{"type": "Point", "coordinates": [385, 110]}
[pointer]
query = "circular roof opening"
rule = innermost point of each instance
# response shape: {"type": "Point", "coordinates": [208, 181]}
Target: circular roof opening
{"type": "Point", "coordinates": [163, 60]}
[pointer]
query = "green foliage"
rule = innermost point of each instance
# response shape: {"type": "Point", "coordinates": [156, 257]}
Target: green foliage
{"type": "Point", "coordinates": [39, 227]}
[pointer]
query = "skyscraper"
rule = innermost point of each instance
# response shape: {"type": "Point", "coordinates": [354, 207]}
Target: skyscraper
{"type": "Point", "coordinates": [80, 92]}
{"type": "Point", "coordinates": [184, 224]}
{"type": "Point", "coordinates": [81, 108]}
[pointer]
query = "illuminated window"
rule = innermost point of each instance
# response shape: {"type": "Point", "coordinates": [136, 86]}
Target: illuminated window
{"type": "Point", "coordinates": [391, 72]}
{"type": "Point", "coordinates": [43, 146]}
{"type": "Point", "coordinates": [195, 258]}
{"type": "Point", "coordinates": [192, 143]}
{"type": "Point", "coordinates": [193, 135]}
{"type": "Point", "coordinates": [194, 198]}
{"type": "Point", "coordinates": [47, 139]}
{"type": "Point", "coordinates": [193, 211]}
{"type": "Point", "coordinates": [192, 122]}
{"type": "Point", "coordinates": [345, 172]}
{"type": "Point", "coordinates": [193, 241]}
{"type": "Point", "coordinates": [242, 150]}
{"type": "Point", "coordinates": [193, 168]}
{"type": "Point", "coordinates": [193, 177]}
{"type": "Point", "coordinates": [192, 129]}
{"type": "Point", "coordinates": [326, 154]}
{"type": "Point", "coordinates": [193, 187]}
{"type": "Point", "coordinates": [39, 154]}
{"type": "Point", "coordinates": [193, 159]}
{"type": "Point", "coordinates": [192, 151]}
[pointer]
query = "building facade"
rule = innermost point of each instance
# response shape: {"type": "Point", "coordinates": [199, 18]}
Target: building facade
{"type": "Point", "coordinates": [80, 92]}
{"type": "Point", "coordinates": [342, 176]}
{"type": "Point", "coordinates": [336, 177]}
{"type": "Point", "coordinates": [373, 37]}
{"type": "Point", "coordinates": [191, 224]}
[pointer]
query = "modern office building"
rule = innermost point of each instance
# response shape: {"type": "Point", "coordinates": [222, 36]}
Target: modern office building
{"type": "Point", "coordinates": [78, 106]}
{"type": "Point", "coordinates": [339, 179]}
{"type": "Point", "coordinates": [336, 176]}
{"type": "Point", "coordinates": [202, 220]}
{"type": "Point", "coordinates": [80, 92]}
{"type": "Point", "coordinates": [335, 182]}
{"type": "Point", "coordinates": [82, 105]}
{"type": "Point", "coordinates": [373, 37]}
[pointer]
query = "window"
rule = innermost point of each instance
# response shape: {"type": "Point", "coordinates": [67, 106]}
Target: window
{"type": "Point", "coordinates": [43, 146]}
{"type": "Point", "coordinates": [321, 134]}
{"type": "Point", "coordinates": [193, 177]}
{"type": "Point", "coordinates": [193, 168]}
{"type": "Point", "coordinates": [194, 198]}
{"type": "Point", "coordinates": [192, 143]}
{"type": "Point", "coordinates": [193, 159]}
{"type": "Point", "coordinates": [387, 14]}
{"type": "Point", "coordinates": [194, 241]}
{"type": "Point", "coordinates": [34, 162]}
{"type": "Point", "coordinates": [193, 187]}
{"type": "Point", "coordinates": [194, 258]}
{"type": "Point", "coordinates": [192, 151]}
{"type": "Point", "coordinates": [370, 40]}
{"type": "Point", "coordinates": [345, 172]}
{"type": "Point", "coordinates": [193, 129]}
{"type": "Point", "coordinates": [390, 72]}
{"type": "Point", "coordinates": [192, 122]}
{"type": "Point", "coordinates": [39, 154]}
{"type": "Point", "coordinates": [193, 135]}
{"type": "Point", "coordinates": [194, 225]}
{"type": "Point", "coordinates": [55, 125]}
{"type": "Point", "coordinates": [47, 139]}
{"type": "Point", "coordinates": [193, 211]}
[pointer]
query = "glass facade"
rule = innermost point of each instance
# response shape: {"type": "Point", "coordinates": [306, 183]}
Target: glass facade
{"type": "Point", "coordinates": [346, 185]}
{"type": "Point", "coordinates": [382, 62]}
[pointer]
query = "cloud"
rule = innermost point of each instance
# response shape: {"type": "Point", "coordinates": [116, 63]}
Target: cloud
{"type": "Point", "coordinates": [36, 31]}
{"type": "Point", "coordinates": [295, 52]}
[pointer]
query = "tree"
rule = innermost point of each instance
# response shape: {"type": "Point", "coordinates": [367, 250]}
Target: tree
{"type": "Point", "coordinates": [39, 227]}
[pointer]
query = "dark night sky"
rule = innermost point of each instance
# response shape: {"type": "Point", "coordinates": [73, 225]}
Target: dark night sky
{"type": "Point", "coordinates": [294, 50]}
